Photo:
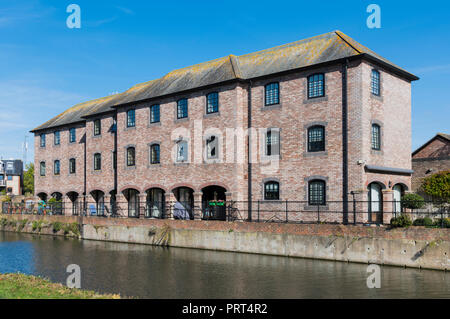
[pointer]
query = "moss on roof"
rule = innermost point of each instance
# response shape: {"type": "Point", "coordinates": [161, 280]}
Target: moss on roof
{"type": "Point", "coordinates": [323, 48]}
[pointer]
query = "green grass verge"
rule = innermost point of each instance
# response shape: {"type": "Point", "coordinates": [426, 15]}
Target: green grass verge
{"type": "Point", "coordinates": [20, 286]}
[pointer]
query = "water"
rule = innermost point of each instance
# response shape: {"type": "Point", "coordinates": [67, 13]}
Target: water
{"type": "Point", "coordinates": [156, 272]}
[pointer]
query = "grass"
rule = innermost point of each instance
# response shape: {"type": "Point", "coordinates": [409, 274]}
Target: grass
{"type": "Point", "coordinates": [20, 286]}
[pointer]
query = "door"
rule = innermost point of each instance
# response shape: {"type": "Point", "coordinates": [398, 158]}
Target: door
{"type": "Point", "coordinates": [397, 190]}
{"type": "Point", "coordinates": [375, 203]}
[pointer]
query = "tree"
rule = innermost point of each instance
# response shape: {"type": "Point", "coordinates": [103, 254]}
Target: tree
{"type": "Point", "coordinates": [28, 179]}
{"type": "Point", "coordinates": [438, 186]}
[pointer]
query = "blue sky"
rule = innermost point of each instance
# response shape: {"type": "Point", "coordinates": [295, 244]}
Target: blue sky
{"type": "Point", "coordinates": [46, 67]}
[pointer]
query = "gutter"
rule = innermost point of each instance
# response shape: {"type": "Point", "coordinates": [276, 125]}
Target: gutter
{"type": "Point", "coordinates": [388, 170]}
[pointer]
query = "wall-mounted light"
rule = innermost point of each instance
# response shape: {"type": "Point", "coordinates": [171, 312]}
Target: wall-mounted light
{"type": "Point", "coordinates": [390, 184]}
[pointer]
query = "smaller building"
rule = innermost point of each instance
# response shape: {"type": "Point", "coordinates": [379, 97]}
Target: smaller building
{"type": "Point", "coordinates": [11, 177]}
{"type": "Point", "coordinates": [432, 157]}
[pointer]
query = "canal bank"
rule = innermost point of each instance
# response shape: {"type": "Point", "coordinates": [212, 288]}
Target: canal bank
{"type": "Point", "coordinates": [416, 247]}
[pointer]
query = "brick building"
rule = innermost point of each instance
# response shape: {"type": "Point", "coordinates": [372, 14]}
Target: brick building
{"type": "Point", "coordinates": [432, 157]}
{"type": "Point", "coordinates": [11, 177]}
{"type": "Point", "coordinates": [327, 120]}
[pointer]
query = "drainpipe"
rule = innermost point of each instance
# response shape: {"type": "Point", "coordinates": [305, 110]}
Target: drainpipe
{"type": "Point", "coordinates": [85, 186]}
{"type": "Point", "coordinates": [114, 210]}
{"type": "Point", "coordinates": [344, 144]}
{"type": "Point", "coordinates": [249, 160]}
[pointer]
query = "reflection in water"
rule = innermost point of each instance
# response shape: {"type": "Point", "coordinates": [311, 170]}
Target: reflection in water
{"type": "Point", "coordinates": [156, 272]}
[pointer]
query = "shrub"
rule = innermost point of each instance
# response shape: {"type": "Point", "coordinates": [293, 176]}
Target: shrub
{"type": "Point", "coordinates": [428, 222]}
{"type": "Point", "coordinates": [412, 201]}
{"type": "Point", "coordinates": [442, 222]}
{"type": "Point", "coordinates": [57, 226]}
{"type": "Point", "coordinates": [418, 222]}
{"type": "Point", "coordinates": [401, 221]}
{"type": "Point", "coordinates": [438, 186]}
{"type": "Point", "coordinates": [6, 199]}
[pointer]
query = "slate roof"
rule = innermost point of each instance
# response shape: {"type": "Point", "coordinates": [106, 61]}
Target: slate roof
{"type": "Point", "coordinates": [319, 49]}
{"type": "Point", "coordinates": [438, 135]}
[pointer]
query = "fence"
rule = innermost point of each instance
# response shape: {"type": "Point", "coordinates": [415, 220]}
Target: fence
{"type": "Point", "coordinates": [337, 212]}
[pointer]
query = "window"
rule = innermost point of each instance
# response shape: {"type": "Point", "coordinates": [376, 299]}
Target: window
{"type": "Point", "coordinates": [182, 151]}
{"type": "Point", "coordinates": [271, 191]}
{"type": "Point", "coordinates": [316, 139]}
{"type": "Point", "coordinates": [56, 167]}
{"type": "Point", "coordinates": [375, 82]}
{"type": "Point", "coordinates": [154, 113]}
{"type": "Point", "coordinates": [97, 127]}
{"type": "Point", "coordinates": [72, 136]}
{"type": "Point", "coordinates": [316, 85]}
{"type": "Point", "coordinates": [42, 140]}
{"type": "Point", "coordinates": [212, 103]}
{"type": "Point", "coordinates": [56, 138]}
{"type": "Point", "coordinates": [10, 177]}
{"type": "Point", "coordinates": [316, 192]}
{"type": "Point", "coordinates": [131, 118]}
{"type": "Point", "coordinates": [182, 108]}
{"type": "Point", "coordinates": [97, 161]}
{"type": "Point", "coordinates": [72, 166]}
{"type": "Point", "coordinates": [131, 156]}
{"type": "Point", "coordinates": [376, 138]}
{"type": "Point", "coordinates": [211, 147]}
{"type": "Point", "coordinates": [42, 169]}
{"type": "Point", "coordinates": [272, 93]}
{"type": "Point", "coordinates": [272, 142]}
{"type": "Point", "coordinates": [154, 154]}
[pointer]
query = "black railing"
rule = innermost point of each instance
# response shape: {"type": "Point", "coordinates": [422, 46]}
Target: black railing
{"type": "Point", "coordinates": [275, 211]}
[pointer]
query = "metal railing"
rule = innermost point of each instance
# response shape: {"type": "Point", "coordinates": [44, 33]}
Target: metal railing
{"type": "Point", "coordinates": [358, 212]}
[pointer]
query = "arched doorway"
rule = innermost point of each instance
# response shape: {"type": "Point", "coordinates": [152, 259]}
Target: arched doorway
{"type": "Point", "coordinates": [97, 208]}
{"type": "Point", "coordinates": [132, 197]}
{"type": "Point", "coordinates": [155, 203]}
{"type": "Point", "coordinates": [56, 204]}
{"type": "Point", "coordinates": [183, 208]}
{"type": "Point", "coordinates": [74, 198]}
{"type": "Point", "coordinates": [375, 203]}
{"type": "Point", "coordinates": [213, 202]}
{"type": "Point", "coordinates": [42, 196]}
{"type": "Point", "coordinates": [398, 190]}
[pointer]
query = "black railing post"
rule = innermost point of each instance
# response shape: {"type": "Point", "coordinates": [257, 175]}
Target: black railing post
{"type": "Point", "coordinates": [354, 211]}
{"type": "Point", "coordinates": [258, 210]}
{"type": "Point", "coordinates": [286, 211]}
{"type": "Point", "coordinates": [318, 214]}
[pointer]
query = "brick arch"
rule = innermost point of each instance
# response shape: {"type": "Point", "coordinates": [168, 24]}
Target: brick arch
{"type": "Point", "coordinates": [130, 186]}
{"type": "Point", "coordinates": [183, 185]}
{"type": "Point", "coordinates": [405, 187]}
{"type": "Point", "coordinates": [374, 180]}
{"type": "Point", "coordinates": [227, 189]}
{"type": "Point", "coordinates": [155, 186]}
{"type": "Point", "coordinates": [96, 189]}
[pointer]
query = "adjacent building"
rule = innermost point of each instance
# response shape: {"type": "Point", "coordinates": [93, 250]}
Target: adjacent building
{"type": "Point", "coordinates": [431, 158]}
{"type": "Point", "coordinates": [11, 176]}
{"type": "Point", "coordinates": [314, 123]}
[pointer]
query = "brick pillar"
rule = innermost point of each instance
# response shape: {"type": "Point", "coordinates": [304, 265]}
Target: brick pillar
{"type": "Point", "coordinates": [388, 197]}
{"type": "Point", "coordinates": [67, 205]}
{"type": "Point", "coordinates": [197, 209]}
{"type": "Point", "coordinates": [107, 201]}
{"type": "Point", "coordinates": [142, 204]}
{"type": "Point", "coordinates": [122, 205]}
{"type": "Point", "coordinates": [170, 201]}
{"type": "Point", "coordinates": [229, 196]}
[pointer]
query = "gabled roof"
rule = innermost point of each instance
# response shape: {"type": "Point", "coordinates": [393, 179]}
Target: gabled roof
{"type": "Point", "coordinates": [324, 48]}
{"type": "Point", "coordinates": [443, 136]}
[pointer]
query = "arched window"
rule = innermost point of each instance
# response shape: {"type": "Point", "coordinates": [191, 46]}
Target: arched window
{"type": "Point", "coordinates": [182, 151]}
{"type": "Point", "coordinates": [316, 138]}
{"type": "Point", "coordinates": [56, 167]}
{"type": "Point", "coordinates": [182, 108]}
{"type": "Point", "coordinates": [97, 161]}
{"type": "Point", "coordinates": [316, 192]}
{"type": "Point", "coordinates": [42, 168]}
{"type": "Point", "coordinates": [212, 103]}
{"type": "Point", "coordinates": [131, 156]}
{"type": "Point", "coordinates": [376, 137]}
{"type": "Point", "coordinates": [131, 118]}
{"type": "Point", "coordinates": [72, 167]}
{"type": "Point", "coordinates": [271, 190]}
{"type": "Point", "coordinates": [272, 93]}
{"type": "Point", "coordinates": [154, 154]}
{"type": "Point", "coordinates": [316, 85]}
{"type": "Point", "coordinates": [375, 82]}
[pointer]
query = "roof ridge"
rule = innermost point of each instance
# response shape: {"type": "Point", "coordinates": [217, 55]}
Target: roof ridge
{"type": "Point", "coordinates": [341, 35]}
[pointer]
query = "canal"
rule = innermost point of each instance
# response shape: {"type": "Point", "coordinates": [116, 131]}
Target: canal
{"type": "Point", "coordinates": [156, 272]}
